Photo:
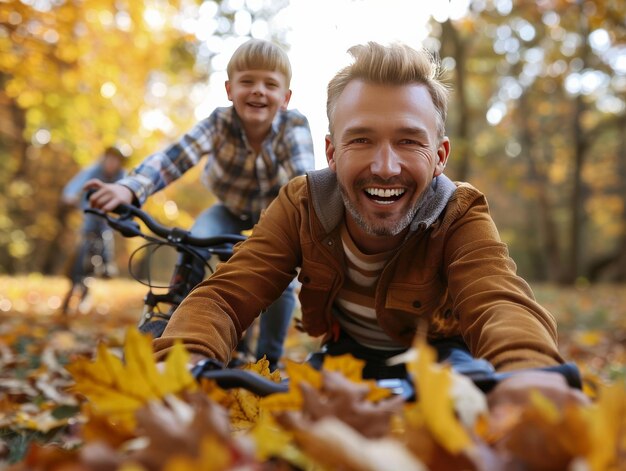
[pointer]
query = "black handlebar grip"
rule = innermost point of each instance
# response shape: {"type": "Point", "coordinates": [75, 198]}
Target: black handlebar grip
{"type": "Point", "coordinates": [212, 369]}
{"type": "Point", "coordinates": [252, 382]}
{"type": "Point", "coordinates": [569, 371]}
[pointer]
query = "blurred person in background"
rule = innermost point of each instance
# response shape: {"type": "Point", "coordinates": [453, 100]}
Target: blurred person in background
{"type": "Point", "coordinates": [95, 252]}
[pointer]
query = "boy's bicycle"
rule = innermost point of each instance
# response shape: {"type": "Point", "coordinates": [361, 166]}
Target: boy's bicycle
{"type": "Point", "coordinates": [159, 306]}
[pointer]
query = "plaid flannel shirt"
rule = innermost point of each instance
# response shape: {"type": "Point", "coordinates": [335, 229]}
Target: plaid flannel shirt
{"type": "Point", "coordinates": [244, 182]}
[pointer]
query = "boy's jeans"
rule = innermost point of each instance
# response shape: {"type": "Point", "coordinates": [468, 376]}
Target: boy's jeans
{"type": "Point", "coordinates": [274, 323]}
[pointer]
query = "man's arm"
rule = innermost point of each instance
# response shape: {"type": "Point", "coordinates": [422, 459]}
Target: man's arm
{"type": "Point", "coordinates": [212, 318]}
{"type": "Point", "coordinates": [499, 317]}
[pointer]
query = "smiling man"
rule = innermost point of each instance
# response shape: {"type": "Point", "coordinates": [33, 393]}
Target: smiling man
{"type": "Point", "coordinates": [386, 244]}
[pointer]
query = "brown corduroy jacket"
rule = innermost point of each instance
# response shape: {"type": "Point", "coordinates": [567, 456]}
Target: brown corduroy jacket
{"type": "Point", "coordinates": [452, 273]}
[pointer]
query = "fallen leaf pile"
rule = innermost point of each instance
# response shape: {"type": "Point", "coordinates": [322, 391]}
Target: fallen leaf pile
{"type": "Point", "coordinates": [74, 400]}
{"type": "Point", "coordinates": [137, 415]}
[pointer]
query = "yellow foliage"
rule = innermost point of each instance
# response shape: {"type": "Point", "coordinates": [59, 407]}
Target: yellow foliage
{"type": "Point", "coordinates": [292, 400]}
{"type": "Point", "coordinates": [352, 369]}
{"type": "Point", "coordinates": [299, 373]}
{"type": "Point", "coordinates": [214, 456]}
{"type": "Point", "coordinates": [270, 439]}
{"type": "Point", "coordinates": [71, 51]}
{"type": "Point", "coordinates": [607, 423]}
{"type": "Point", "coordinates": [435, 407]}
{"type": "Point", "coordinates": [589, 338]}
{"type": "Point", "coordinates": [243, 406]}
{"type": "Point", "coordinates": [118, 389]}
{"type": "Point", "coordinates": [244, 409]}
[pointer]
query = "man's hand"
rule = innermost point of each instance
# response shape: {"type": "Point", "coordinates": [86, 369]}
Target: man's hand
{"type": "Point", "coordinates": [516, 390]}
{"type": "Point", "coordinates": [107, 196]}
{"type": "Point", "coordinates": [529, 442]}
{"type": "Point", "coordinates": [195, 358]}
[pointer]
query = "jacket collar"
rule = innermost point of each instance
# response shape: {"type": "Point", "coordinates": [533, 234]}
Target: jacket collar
{"type": "Point", "coordinates": [329, 208]}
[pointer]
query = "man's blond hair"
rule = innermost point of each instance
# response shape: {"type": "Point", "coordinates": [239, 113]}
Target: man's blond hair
{"type": "Point", "coordinates": [397, 64]}
{"type": "Point", "coordinates": [258, 54]}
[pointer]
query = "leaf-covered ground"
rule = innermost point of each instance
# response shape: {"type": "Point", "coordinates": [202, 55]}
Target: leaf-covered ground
{"type": "Point", "coordinates": [37, 404]}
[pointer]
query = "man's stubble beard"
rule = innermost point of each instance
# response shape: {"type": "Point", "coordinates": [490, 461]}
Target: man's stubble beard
{"type": "Point", "coordinates": [380, 229]}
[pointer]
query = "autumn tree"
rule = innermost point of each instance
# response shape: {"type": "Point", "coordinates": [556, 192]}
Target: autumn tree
{"type": "Point", "coordinates": [542, 95]}
{"type": "Point", "coordinates": [78, 75]}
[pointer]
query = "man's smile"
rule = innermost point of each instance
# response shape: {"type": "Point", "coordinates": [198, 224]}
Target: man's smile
{"type": "Point", "coordinates": [384, 195]}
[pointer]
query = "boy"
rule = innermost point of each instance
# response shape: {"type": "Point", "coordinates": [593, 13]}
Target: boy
{"type": "Point", "coordinates": [254, 147]}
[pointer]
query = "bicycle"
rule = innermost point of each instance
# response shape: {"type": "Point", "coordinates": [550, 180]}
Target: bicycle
{"type": "Point", "coordinates": [89, 260]}
{"type": "Point", "coordinates": [159, 307]}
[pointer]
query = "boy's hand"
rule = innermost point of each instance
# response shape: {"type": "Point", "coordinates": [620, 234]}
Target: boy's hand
{"type": "Point", "coordinates": [108, 196]}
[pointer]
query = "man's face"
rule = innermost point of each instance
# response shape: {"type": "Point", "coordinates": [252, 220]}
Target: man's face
{"type": "Point", "coordinates": [385, 151]}
{"type": "Point", "coordinates": [257, 95]}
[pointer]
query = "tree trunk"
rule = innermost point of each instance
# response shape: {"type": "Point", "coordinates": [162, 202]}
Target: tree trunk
{"type": "Point", "coordinates": [547, 226]}
{"type": "Point", "coordinates": [13, 124]}
{"type": "Point", "coordinates": [621, 255]}
{"type": "Point", "coordinates": [577, 199]}
{"type": "Point", "coordinates": [462, 163]}
{"type": "Point", "coordinates": [577, 196]}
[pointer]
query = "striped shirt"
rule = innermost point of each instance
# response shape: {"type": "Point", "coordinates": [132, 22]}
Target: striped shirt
{"type": "Point", "coordinates": [355, 302]}
{"type": "Point", "coordinates": [246, 183]}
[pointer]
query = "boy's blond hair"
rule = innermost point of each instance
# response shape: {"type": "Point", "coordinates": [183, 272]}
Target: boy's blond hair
{"type": "Point", "coordinates": [397, 64]}
{"type": "Point", "coordinates": [257, 54]}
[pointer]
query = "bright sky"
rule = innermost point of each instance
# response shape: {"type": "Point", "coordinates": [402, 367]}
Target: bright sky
{"type": "Point", "coordinates": [321, 31]}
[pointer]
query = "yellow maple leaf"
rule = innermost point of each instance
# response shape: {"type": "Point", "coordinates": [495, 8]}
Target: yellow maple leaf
{"type": "Point", "coordinates": [244, 409]}
{"type": "Point", "coordinates": [217, 394]}
{"type": "Point", "coordinates": [118, 389]}
{"type": "Point", "coordinates": [243, 406]}
{"type": "Point", "coordinates": [292, 399]}
{"type": "Point", "coordinates": [347, 365]}
{"type": "Point", "coordinates": [435, 405]}
{"type": "Point", "coordinates": [270, 439]}
{"type": "Point", "coordinates": [352, 369]}
{"type": "Point", "coordinates": [262, 367]}
{"type": "Point", "coordinates": [606, 425]}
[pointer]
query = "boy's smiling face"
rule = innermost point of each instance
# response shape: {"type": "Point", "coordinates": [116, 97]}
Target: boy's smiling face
{"type": "Point", "coordinates": [257, 95]}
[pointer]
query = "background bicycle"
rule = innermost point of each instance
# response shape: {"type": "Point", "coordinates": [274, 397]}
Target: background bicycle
{"type": "Point", "coordinates": [92, 258]}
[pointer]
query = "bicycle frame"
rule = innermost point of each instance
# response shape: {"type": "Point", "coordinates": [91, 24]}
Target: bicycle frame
{"type": "Point", "coordinates": [189, 247]}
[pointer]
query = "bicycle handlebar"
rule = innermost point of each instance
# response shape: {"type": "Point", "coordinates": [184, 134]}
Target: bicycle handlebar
{"type": "Point", "coordinates": [569, 371]}
{"type": "Point", "coordinates": [129, 228]}
{"type": "Point", "coordinates": [484, 380]}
